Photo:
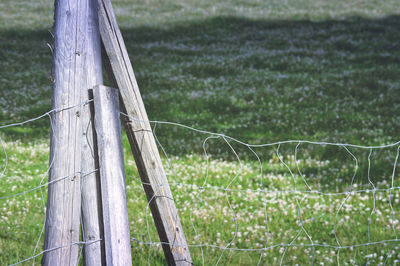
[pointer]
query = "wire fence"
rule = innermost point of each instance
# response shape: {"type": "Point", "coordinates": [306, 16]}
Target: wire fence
{"type": "Point", "coordinates": [287, 202]}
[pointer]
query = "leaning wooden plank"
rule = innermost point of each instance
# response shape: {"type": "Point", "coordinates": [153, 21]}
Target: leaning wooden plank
{"type": "Point", "coordinates": [112, 176]}
{"type": "Point", "coordinates": [142, 141]}
{"type": "Point", "coordinates": [71, 61]}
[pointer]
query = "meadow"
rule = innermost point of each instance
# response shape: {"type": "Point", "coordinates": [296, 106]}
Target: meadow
{"type": "Point", "coordinates": [257, 71]}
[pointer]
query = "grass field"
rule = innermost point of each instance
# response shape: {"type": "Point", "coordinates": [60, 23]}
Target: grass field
{"type": "Point", "coordinates": [260, 72]}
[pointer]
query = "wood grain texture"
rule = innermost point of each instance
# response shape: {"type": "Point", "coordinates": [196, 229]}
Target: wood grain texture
{"type": "Point", "coordinates": [112, 176]}
{"type": "Point", "coordinates": [92, 227]}
{"type": "Point", "coordinates": [76, 63]}
{"type": "Point", "coordinates": [142, 141]}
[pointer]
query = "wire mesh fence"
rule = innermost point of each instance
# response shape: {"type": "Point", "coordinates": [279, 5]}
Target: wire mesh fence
{"type": "Point", "coordinates": [289, 202]}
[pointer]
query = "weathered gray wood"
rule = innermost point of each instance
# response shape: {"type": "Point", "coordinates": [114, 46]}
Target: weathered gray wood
{"type": "Point", "coordinates": [142, 141]}
{"type": "Point", "coordinates": [112, 176]}
{"type": "Point", "coordinates": [73, 56]}
{"type": "Point", "coordinates": [92, 227]}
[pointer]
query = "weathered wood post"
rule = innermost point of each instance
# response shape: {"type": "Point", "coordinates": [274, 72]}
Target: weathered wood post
{"type": "Point", "coordinates": [142, 141]}
{"type": "Point", "coordinates": [92, 227]}
{"type": "Point", "coordinates": [76, 67]}
{"type": "Point", "coordinates": [112, 175]}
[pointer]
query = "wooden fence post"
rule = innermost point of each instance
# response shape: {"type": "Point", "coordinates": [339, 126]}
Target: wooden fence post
{"type": "Point", "coordinates": [142, 141]}
{"type": "Point", "coordinates": [92, 227]}
{"type": "Point", "coordinates": [112, 176]}
{"type": "Point", "coordinates": [76, 66]}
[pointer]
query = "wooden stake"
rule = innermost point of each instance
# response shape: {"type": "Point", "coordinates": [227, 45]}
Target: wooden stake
{"type": "Point", "coordinates": [112, 176]}
{"type": "Point", "coordinates": [142, 141]}
{"type": "Point", "coordinates": [92, 227]}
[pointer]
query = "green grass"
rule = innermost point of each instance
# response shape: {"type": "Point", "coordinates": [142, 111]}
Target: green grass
{"type": "Point", "coordinates": [258, 71]}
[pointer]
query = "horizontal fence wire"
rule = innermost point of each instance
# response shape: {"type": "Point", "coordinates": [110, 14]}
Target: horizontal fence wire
{"type": "Point", "coordinates": [298, 188]}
